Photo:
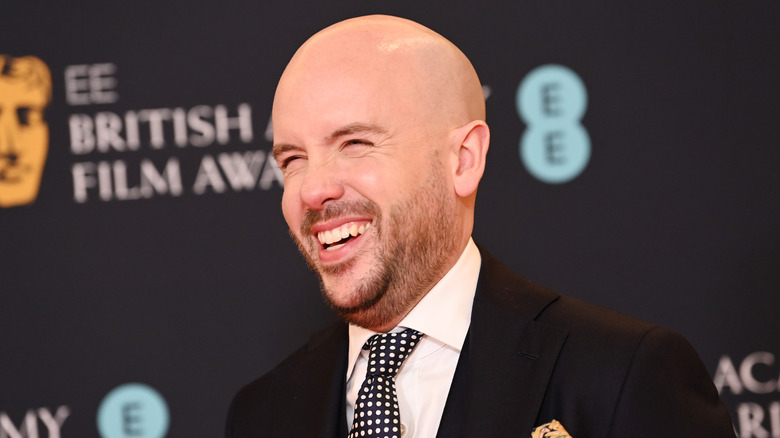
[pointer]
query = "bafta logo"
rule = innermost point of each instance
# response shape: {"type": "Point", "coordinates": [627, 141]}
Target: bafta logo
{"type": "Point", "coordinates": [25, 90]}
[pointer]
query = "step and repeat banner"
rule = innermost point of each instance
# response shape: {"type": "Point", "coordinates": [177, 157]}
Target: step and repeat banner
{"type": "Point", "coordinates": [145, 267]}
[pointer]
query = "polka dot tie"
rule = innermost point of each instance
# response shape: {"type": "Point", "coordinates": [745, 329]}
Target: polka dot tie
{"type": "Point", "coordinates": [376, 407]}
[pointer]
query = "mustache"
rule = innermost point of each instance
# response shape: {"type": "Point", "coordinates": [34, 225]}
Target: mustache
{"type": "Point", "coordinates": [334, 210]}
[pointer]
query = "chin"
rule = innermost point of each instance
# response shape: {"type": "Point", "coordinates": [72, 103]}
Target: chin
{"type": "Point", "coordinates": [343, 297]}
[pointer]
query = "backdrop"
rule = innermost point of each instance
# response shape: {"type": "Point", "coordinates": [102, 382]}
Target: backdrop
{"type": "Point", "coordinates": [146, 272]}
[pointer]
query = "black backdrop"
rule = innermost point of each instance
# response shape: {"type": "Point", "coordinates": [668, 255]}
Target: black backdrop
{"type": "Point", "coordinates": [192, 287]}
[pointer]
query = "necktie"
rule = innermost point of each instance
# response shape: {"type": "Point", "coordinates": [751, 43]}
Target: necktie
{"type": "Point", "coordinates": [376, 407]}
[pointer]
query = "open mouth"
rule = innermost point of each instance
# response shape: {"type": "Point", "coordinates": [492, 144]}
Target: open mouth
{"type": "Point", "coordinates": [338, 237]}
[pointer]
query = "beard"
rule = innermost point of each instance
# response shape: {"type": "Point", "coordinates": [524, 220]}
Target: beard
{"type": "Point", "coordinates": [415, 242]}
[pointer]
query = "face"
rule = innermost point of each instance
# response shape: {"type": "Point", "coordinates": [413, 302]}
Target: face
{"type": "Point", "coordinates": [24, 134]}
{"type": "Point", "coordinates": [366, 194]}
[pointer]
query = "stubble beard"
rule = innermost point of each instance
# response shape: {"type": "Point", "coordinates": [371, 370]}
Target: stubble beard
{"type": "Point", "coordinates": [408, 260]}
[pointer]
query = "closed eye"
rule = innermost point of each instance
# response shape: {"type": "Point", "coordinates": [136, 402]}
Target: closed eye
{"type": "Point", "coordinates": [286, 154]}
{"type": "Point", "coordinates": [286, 161]}
{"type": "Point", "coordinates": [356, 142]}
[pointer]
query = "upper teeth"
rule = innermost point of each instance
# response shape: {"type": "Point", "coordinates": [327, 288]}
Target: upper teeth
{"type": "Point", "coordinates": [342, 232]}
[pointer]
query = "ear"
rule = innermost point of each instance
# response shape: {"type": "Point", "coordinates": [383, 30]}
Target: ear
{"type": "Point", "coordinates": [471, 146]}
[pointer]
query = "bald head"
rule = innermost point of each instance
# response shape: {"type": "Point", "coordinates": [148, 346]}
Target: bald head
{"type": "Point", "coordinates": [414, 63]}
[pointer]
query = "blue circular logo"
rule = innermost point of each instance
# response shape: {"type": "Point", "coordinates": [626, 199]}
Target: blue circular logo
{"type": "Point", "coordinates": [555, 156]}
{"type": "Point", "coordinates": [551, 94]}
{"type": "Point", "coordinates": [552, 100]}
{"type": "Point", "coordinates": [133, 410]}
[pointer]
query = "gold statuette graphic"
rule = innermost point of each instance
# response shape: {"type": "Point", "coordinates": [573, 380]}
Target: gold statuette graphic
{"type": "Point", "coordinates": [25, 90]}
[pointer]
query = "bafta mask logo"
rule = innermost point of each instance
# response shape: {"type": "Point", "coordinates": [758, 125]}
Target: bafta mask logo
{"type": "Point", "coordinates": [25, 90]}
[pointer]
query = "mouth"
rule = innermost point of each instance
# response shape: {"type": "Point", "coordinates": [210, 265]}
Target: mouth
{"type": "Point", "coordinates": [337, 237]}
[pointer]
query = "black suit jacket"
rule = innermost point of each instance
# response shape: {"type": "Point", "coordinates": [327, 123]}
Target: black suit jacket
{"type": "Point", "coordinates": [531, 355]}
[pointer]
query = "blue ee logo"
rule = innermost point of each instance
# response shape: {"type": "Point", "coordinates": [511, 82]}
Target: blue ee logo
{"type": "Point", "coordinates": [133, 410]}
{"type": "Point", "coordinates": [551, 100]}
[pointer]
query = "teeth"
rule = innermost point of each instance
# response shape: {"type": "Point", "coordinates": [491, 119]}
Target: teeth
{"type": "Point", "coordinates": [343, 232]}
{"type": "Point", "coordinates": [332, 247]}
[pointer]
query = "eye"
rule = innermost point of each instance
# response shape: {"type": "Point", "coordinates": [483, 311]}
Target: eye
{"type": "Point", "coordinates": [286, 155]}
{"type": "Point", "coordinates": [356, 143]}
{"type": "Point", "coordinates": [23, 114]}
{"type": "Point", "coordinates": [286, 161]}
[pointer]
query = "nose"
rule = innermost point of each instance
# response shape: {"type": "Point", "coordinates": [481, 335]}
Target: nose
{"type": "Point", "coordinates": [322, 182]}
{"type": "Point", "coordinates": [7, 133]}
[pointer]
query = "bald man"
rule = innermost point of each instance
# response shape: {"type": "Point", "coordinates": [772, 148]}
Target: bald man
{"type": "Point", "coordinates": [379, 129]}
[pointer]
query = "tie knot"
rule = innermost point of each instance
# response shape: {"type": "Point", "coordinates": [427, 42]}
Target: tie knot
{"type": "Point", "coordinates": [387, 351]}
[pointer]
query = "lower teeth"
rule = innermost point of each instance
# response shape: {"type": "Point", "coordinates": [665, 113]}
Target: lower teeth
{"type": "Point", "coordinates": [330, 248]}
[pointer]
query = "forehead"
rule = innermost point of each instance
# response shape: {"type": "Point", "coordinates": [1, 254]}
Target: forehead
{"type": "Point", "coordinates": [14, 90]}
{"type": "Point", "coordinates": [325, 92]}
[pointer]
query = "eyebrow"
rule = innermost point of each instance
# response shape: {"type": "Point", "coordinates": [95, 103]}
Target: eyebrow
{"type": "Point", "coordinates": [278, 149]}
{"type": "Point", "coordinates": [356, 128]}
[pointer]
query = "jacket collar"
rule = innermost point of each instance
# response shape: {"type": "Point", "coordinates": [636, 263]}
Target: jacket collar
{"type": "Point", "coordinates": [507, 362]}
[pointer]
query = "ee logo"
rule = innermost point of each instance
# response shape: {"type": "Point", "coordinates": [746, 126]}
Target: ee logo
{"type": "Point", "coordinates": [133, 410]}
{"type": "Point", "coordinates": [555, 147]}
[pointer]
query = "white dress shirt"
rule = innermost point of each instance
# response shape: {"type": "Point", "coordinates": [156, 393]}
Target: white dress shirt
{"type": "Point", "coordinates": [423, 382]}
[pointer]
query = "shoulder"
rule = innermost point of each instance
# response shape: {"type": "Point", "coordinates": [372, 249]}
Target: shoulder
{"type": "Point", "coordinates": [319, 344]}
{"type": "Point", "coordinates": [590, 330]}
{"type": "Point", "coordinates": [636, 377]}
{"type": "Point", "coordinates": [501, 287]}
{"type": "Point", "coordinates": [254, 406]}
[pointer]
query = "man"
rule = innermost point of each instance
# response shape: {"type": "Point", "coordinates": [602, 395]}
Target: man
{"type": "Point", "coordinates": [379, 129]}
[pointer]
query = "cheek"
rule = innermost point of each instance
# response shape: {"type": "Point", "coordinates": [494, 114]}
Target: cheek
{"type": "Point", "coordinates": [291, 209]}
{"type": "Point", "coordinates": [376, 181]}
{"type": "Point", "coordinates": [33, 141]}
{"type": "Point", "coordinates": [367, 182]}
{"type": "Point", "coordinates": [392, 182]}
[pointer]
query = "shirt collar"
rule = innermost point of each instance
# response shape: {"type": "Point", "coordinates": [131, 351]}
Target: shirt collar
{"type": "Point", "coordinates": [444, 313]}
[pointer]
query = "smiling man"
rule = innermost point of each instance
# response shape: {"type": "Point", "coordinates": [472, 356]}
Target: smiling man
{"type": "Point", "coordinates": [379, 128]}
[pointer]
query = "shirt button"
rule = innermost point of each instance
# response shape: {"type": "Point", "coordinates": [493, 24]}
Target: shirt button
{"type": "Point", "coordinates": [403, 429]}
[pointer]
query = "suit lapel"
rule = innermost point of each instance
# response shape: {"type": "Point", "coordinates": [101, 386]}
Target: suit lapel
{"type": "Point", "coordinates": [510, 363]}
{"type": "Point", "coordinates": [507, 361]}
